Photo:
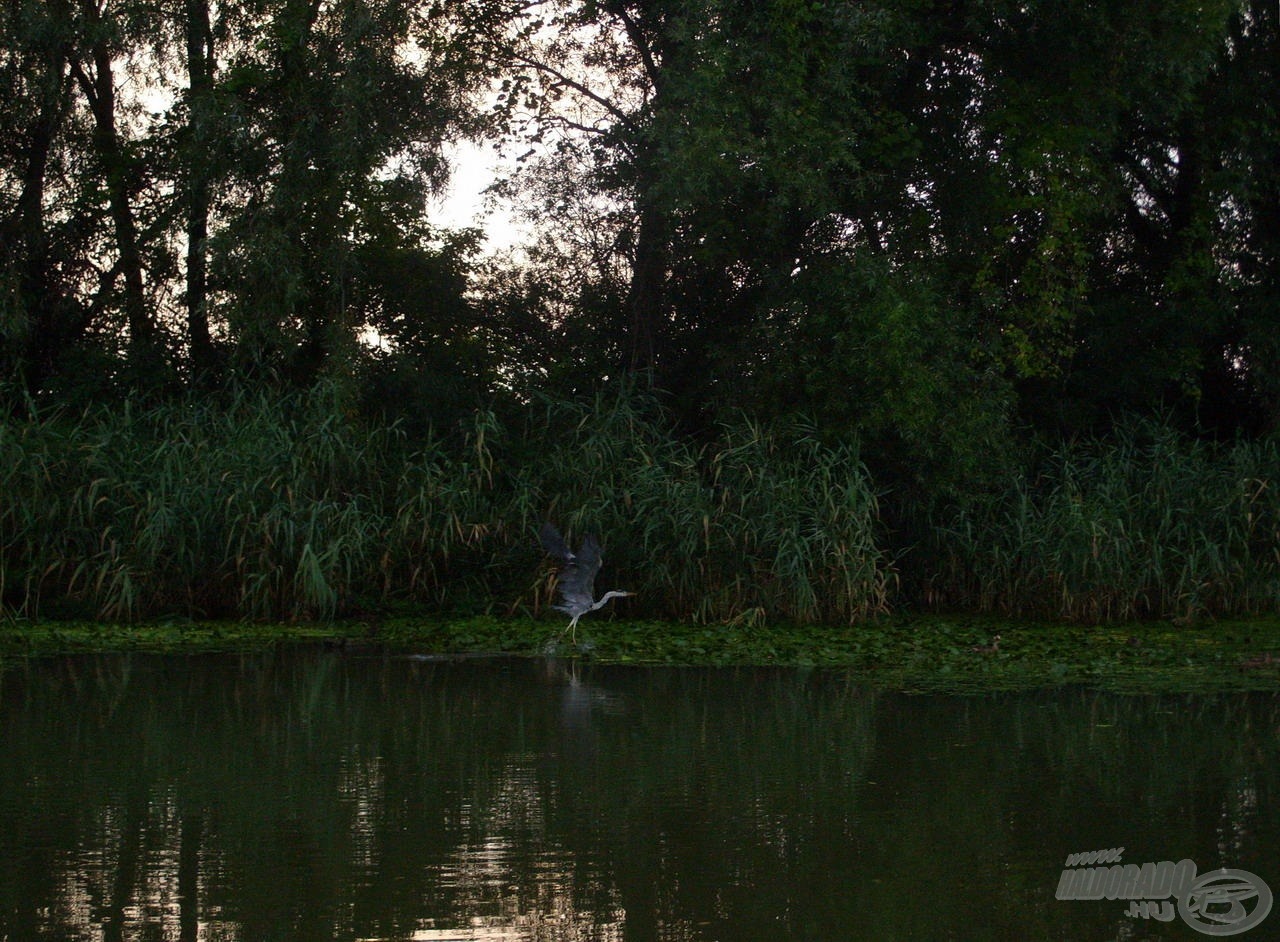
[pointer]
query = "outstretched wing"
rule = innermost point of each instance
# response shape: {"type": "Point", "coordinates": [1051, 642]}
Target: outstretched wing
{"type": "Point", "coordinates": [553, 543]}
{"type": "Point", "coordinates": [578, 577]}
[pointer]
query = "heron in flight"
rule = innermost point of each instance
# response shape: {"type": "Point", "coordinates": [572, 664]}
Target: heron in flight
{"type": "Point", "coordinates": [577, 578]}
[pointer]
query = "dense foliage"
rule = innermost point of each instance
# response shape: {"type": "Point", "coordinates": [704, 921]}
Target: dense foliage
{"type": "Point", "coordinates": [293, 507]}
{"type": "Point", "coordinates": [970, 304]}
{"type": "Point", "coordinates": [266, 508]}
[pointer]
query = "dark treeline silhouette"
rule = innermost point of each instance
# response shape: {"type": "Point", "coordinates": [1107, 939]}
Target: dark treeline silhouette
{"type": "Point", "coordinates": [976, 250]}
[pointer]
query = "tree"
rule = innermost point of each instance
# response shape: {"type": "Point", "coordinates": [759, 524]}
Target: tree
{"type": "Point", "coordinates": [1077, 175]}
{"type": "Point", "coordinates": [199, 172]}
{"type": "Point", "coordinates": [105, 39]}
{"type": "Point", "coordinates": [919, 222]}
{"type": "Point", "coordinates": [1241, 377]}
{"type": "Point", "coordinates": [38, 316]}
{"type": "Point", "coordinates": [755, 173]}
{"type": "Point", "coordinates": [192, 179]}
{"type": "Point", "coordinates": [343, 110]}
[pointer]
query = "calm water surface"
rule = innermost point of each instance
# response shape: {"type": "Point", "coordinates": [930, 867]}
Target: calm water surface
{"type": "Point", "coordinates": [310, 795]}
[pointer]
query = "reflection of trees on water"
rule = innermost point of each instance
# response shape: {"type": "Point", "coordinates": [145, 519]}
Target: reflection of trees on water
{"type": "Point", "coordinates": [1237, 824]}
{"type": "Point", "coordinates": [310, 796]}
{"type": "Point", "coordinates": [1175, 763]}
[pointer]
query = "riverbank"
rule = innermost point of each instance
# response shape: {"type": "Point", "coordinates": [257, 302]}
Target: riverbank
{"type": "Point", "coordinates": [932, 653]}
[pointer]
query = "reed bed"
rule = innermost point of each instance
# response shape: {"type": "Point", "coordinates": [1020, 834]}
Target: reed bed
{"type": "Point", "coordinates": [760, 524]}
{"type": "Point", "coordinates": [259, 509]}
{"type": "Point", "coordinates": [294, 508]}
{"type": "Point", "coordinates": [1147, 523]}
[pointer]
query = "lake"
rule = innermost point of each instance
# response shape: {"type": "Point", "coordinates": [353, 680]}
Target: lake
{"type": "Point", "coordinates": [312, 794]}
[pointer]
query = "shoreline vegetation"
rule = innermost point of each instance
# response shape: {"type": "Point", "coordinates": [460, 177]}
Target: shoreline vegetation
{"type": "Point", "coordinates": [1145, 561]}
{"type": "Point", "coordinates": [928, 654]}
{"type": "Point", "coordinates": [296, 508]}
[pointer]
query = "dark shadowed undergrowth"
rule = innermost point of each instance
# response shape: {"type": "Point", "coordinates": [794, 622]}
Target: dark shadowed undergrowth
{"type": "Point", "coordinates": [1146, 524]}
{"type": "Point", "coordinates": [295, 508]}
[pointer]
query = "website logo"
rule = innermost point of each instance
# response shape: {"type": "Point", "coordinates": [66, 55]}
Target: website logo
{"type": "Point", "coordinates": [1218, 903]}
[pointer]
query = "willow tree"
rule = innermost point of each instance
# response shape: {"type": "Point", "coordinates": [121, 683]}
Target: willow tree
{"type": "Point", "coordinates": [1094, 198]}
{"type": "Point", "coordinates": [336, 117]}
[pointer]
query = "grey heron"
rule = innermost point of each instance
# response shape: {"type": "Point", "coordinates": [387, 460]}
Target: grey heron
{"type": "Point", "coordinates": [577, 577]}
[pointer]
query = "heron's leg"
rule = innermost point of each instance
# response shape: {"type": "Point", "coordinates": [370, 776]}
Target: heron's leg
{"type": "Point", "coordinates": [571, 629]}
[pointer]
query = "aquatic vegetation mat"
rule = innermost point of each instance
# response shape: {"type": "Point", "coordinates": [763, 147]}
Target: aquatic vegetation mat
{"type": "Point", "coordinates": [916, 654]}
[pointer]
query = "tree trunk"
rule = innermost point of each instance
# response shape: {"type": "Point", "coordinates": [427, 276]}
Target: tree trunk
{"type": "Point", "coordinates": [47, 322]}
{"type": "Point", "coordinates": [99, 91]}
{"type": "Point", "coordinates": [646, 293]}
{"type": "Point", "coordinates": [41, 334]}
{"type": "Point", "coordinates": [200, 61]}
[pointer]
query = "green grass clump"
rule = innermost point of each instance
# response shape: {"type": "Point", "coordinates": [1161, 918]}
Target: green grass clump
{"type": "Point", "coordinates": [1148, 524]}
{"type": "Point", "coordinates": [254, 508]}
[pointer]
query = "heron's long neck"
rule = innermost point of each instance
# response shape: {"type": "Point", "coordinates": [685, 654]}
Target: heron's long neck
{"type": "Point", "coordinates": [606, 597]}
